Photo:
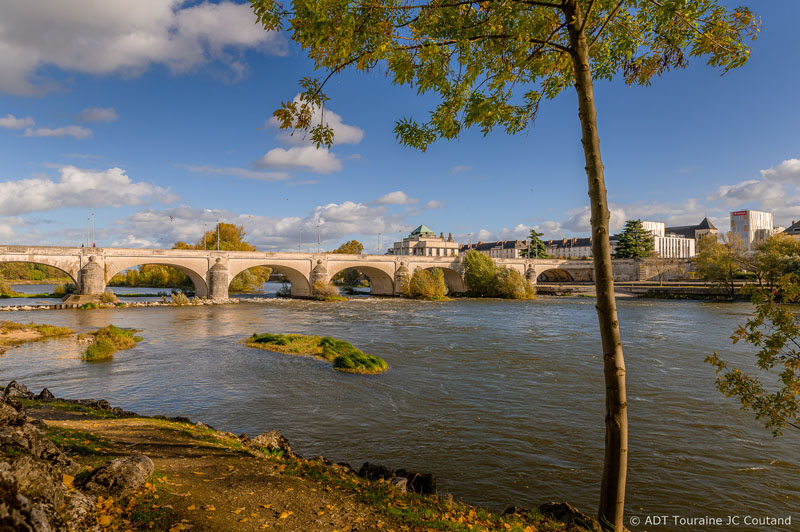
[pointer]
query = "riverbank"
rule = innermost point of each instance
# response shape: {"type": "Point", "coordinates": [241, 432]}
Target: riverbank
{"type": "Point", "coordinates": [199, 478]}
{"type": "Point", "coordinates": [119, 304]}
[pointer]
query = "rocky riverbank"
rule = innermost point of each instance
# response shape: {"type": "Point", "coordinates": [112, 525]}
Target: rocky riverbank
{"type": "Point", "coordinates": [120, 304]}
{"type": "Point", "coordinates": [83, 465]}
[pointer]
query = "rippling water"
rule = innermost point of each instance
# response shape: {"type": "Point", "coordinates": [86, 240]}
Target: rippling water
{"type": "Point", "coordinates": [501, 400]}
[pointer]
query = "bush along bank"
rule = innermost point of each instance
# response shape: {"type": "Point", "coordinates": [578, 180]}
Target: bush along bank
{"type": "Point", "coordinates": [211, 480]}
{"type": "Point", "coordinates": [343, 355]}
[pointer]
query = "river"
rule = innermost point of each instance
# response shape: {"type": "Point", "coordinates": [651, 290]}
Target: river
{"type": "Point", "coordinates": [501, 400]}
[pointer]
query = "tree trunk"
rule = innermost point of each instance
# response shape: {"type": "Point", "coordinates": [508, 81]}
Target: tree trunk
{"type": "Point", "coordinates": [615, 467]}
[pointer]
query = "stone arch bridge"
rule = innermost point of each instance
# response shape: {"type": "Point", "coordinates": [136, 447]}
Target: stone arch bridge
{"type": "Point", "coordinates": [212, 271]}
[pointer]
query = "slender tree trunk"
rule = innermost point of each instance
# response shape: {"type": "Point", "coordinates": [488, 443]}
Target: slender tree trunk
{"type": "Point", "coordinates": [615, 467]}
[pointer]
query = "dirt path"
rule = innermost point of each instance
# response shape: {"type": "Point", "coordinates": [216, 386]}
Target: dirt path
{"type": "Point", "coordinates": [215, 487]}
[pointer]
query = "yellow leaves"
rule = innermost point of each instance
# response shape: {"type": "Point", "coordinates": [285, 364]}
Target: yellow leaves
{"type": "Point", "coordinates": [208, 508]}
{"type": "Point", "coordinates": [105, 521]}
{"type": "Point", "coordinates": [192, 507]}
{"type": "Point", "coordinates": [285, 515]}
{"type": "Point", "coordinates": [198, 473]}
{"type": "Point", "coordinates": [237, 511]}
{"type": "Point", "coordinates": [68, 480]}
{"type": "Point", "coordinates": [266, 506]}
{"type": "Point", "coordinates": [529, 528]}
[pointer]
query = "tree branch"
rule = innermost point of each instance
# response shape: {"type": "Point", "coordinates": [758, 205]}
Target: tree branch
{"type": "Point", "coordinates": [605, 23]}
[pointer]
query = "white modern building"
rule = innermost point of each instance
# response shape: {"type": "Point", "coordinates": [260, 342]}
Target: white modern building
{"type": "Point", "coordinates": [670, 245]}
{"type": "Point", "coordinates": [423, 241]}
{"type": "Point", "coordinates": [752, 226]}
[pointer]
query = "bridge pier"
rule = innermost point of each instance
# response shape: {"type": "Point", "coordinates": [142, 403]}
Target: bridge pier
{"type": "Point", "coordinates": [319, 274]}
{"type": "Point", "coordinates": [530, 275]}
{"type": "Point", "coordinates": [401, 278]}
{"type": "Point", "coordinates": [217, 280]}
{"type": "Point", "coordinates": [91, 278]}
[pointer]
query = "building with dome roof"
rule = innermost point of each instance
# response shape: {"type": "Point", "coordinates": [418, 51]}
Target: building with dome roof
{"type": "Point", "coordinates": [423, 242]}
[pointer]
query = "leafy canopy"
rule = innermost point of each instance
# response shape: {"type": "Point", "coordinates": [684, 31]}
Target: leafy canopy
{"type": "Point", "coordinates": [492, 62]}
{"type": "Point", "coordinates": [353, 247]}
{"type": "Point", "coordinates": [536, 246]}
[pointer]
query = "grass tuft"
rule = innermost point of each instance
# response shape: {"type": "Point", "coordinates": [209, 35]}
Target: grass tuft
{"type": "Point", "coordinates": [343, 355]}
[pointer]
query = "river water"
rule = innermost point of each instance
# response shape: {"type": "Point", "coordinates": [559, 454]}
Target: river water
{"type": "Point", "coordinates": [501, 400]}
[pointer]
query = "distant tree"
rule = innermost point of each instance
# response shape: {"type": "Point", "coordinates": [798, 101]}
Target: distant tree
{"type": "Point", "coordinates": [665, 266]}
{"type": "Point", "coordinates": [635, 242]}
{"type": "Point", "coordinates": [231, 238]}
{"type": "Point", "coordinates": [775, 257]}
{"type": "Point", "coordinates": [492, 63]}
{"type": "Point", "coordinates": [775, 330]}
{"type": "Point", "coordinates": [427, 284]}
{"type": "Point", "coordinates": [354, 247]}
{"type": "Point", "coordinates": [536, 247]}
{"type": "Point", "coordinates": [480, 274]}
{"type": "Point", "coordinates": [719, 261]}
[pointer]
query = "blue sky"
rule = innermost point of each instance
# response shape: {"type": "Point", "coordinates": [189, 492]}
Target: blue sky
{"type": "Point", "coordinates": [155, 116]}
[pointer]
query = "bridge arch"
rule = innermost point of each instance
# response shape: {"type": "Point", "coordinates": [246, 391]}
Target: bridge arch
{"type": "Point", "coordinates": [381, 280]}
{"type": "Point", "coordinates": [301, 287]}
{"type": "Point", "coordinates": [555, 275]}
{"type": "Point", "coordinates": [198, 279]}
{"type": "Point", "coordinates": [70, 270]}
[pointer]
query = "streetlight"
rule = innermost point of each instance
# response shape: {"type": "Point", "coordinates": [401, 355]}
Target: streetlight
{"type": "Point", "coordinates": [205, 236]}
{"type": "Point", "coordinates": [93, 229]}
{"type": "Point", "coordinates": [88, 230]}
{"type": "Point", "coordinates": [217, 235]}
{"type": "Point", "coordinates": [379, 243]}
{"type": "Point", "coordinates": [300, 240]}
{"type": "Point", "coordinates": [318, 241]}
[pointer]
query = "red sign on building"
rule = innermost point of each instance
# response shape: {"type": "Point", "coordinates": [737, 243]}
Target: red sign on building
{"type": "Point", "coordinates": [739, 213]}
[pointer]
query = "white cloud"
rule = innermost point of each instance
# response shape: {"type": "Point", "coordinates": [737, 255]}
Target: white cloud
{"type": "Point", "coordinates": [131, 241]}
{"type": "Point", "coordinates": [79, 132]}
{"type": "Point", "coordinates": [398, 197]}
{"type": "Point", "coordinates": [318, 160]}
{"type": "Point", "coordinates": [12, 122]}
{"type": "Point", "coordinates": [242, 173]}
{"type": "Point", "coordinates": [434, 204]}
{"type": "Point", "coordinates": [752, 190]}
{"type": "Point", "coordinates": [100, 115]}
{"type": "Point", "coordinates": [460, 168]}
{"type": "Point", "coordinates": [116, 36]}
{"type": "Point", "coordinates": [78, 187]}
{"type": "Point", "coordinates": [579, 220]}
{"type": "Point", "coordinates": [343, 133]}
{"type": "Point", "coordinates": [337, 221]}
{"type": "Point", "coordinates": [788, 170]}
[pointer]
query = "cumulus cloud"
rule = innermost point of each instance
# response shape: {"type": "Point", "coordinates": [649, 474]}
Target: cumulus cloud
{"type": "Point", "coordinates": [78, 187]}
{"type": "Point", "coordinates": [434, 204]}
{"type": "Point", "coordinates": [99, 115]}
{"type": "Point", "coordinates": [12, 122]}
{"type": "Point", "coordinates": [343, 133]}
{"type": "Point", "coordinates": [398, 197]}
{"type": "Point", "coordinates": [460, 168]}
{"type": "Point", "coordinates": [318, 160]}
{"type": "Point", "coordinates": [78, 132]}
{"type": "Point", "coordinates": [336, 222]}
{"type": "Point", "coordinates": [127, 37]}
{"type": "Point", "coordinates": [242, 173]}
{"type": "Point", "coordinates": [787, 171]}
{"type": "Point", "coordinates": [579, 220]}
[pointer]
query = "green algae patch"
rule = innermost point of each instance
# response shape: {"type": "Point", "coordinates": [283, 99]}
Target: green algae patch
{"type": "Point", "coordinates": [108, 341]}
{"type": "Point", "coordinates": [343, 355]}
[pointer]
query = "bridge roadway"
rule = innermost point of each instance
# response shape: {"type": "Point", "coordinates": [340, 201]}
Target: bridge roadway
{"type": "Point", "coordinates": [212, 271]}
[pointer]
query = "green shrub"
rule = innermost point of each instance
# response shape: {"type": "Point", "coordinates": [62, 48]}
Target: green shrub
{"type": "Point", "coordinates": [512, 285]}
{"type": "Point", "coordinates": [327, 291]}
{"type": "Point", "coordinates": [343, 355]}
{"type": "Point", "coordinates": [6, 290]}
{"type": "Point", "coordinates": [108, 341]}
{"type": "Point", "coordinates": [108, 297]}
{"type": "Point", "coordinates": [284, 291]}
{"type": "Point", "coordinates": [180, 299]}
{"type": "Point", "coordinates": [427, 284]}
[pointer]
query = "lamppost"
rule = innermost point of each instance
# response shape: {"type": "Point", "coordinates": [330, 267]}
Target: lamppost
{"type": "Point", "coordinates": [217, 235]}
{"type": "Point", "coordinates": [379, 243]}
{"type": "Point", "coordinates": [205, 236]}
{"type": "Point", "coordinates": [300, 239]}
{"type": "Point", "coordinates": [93, 241]}
{"type": "Point", "coordinates": [318, 239]}
{"type": "Point", "coordinates": [88, 230]}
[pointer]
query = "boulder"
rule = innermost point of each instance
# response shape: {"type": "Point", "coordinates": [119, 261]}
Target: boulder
{"type": "Point", "coordinates": [31, 440]}
{"type": "Point", "coordinates": [119, 477]}
{"type": "Point", "coordinates": [423, 483]}
{"type": "Point", "coordinates": [38, 480]}
{"type": "Point", "coordinates": [45, 395]}
{"type": "Point", "coordinates": [399, 483]}
{"type": "Point", "coordinates": [272, 441]}
{"type": "Point", "coordinates": [11, 414]}
{"type": "Point", "coordinates": [15, 508]}
{"type": "Point", "coordinates": [376, 471]}
{"type": "Point", "coordinates": [569, 515]}
{"type": "Point", "coordinates": [16, 389]}
{"type": "Point", "coordinates": [78, 512]}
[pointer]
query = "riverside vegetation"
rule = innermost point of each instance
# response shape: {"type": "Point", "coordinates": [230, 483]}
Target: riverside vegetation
{"type": "Point", "coordinates": [485, 279]}
{"type": "Point", "coordinates": [12, 333]}
{"type": "Point", "coordinates": [343, 355]}
{"type": "Point", "coordinates": [183, 466]}
{"type": "Point", "coordinates": [108, 341]}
